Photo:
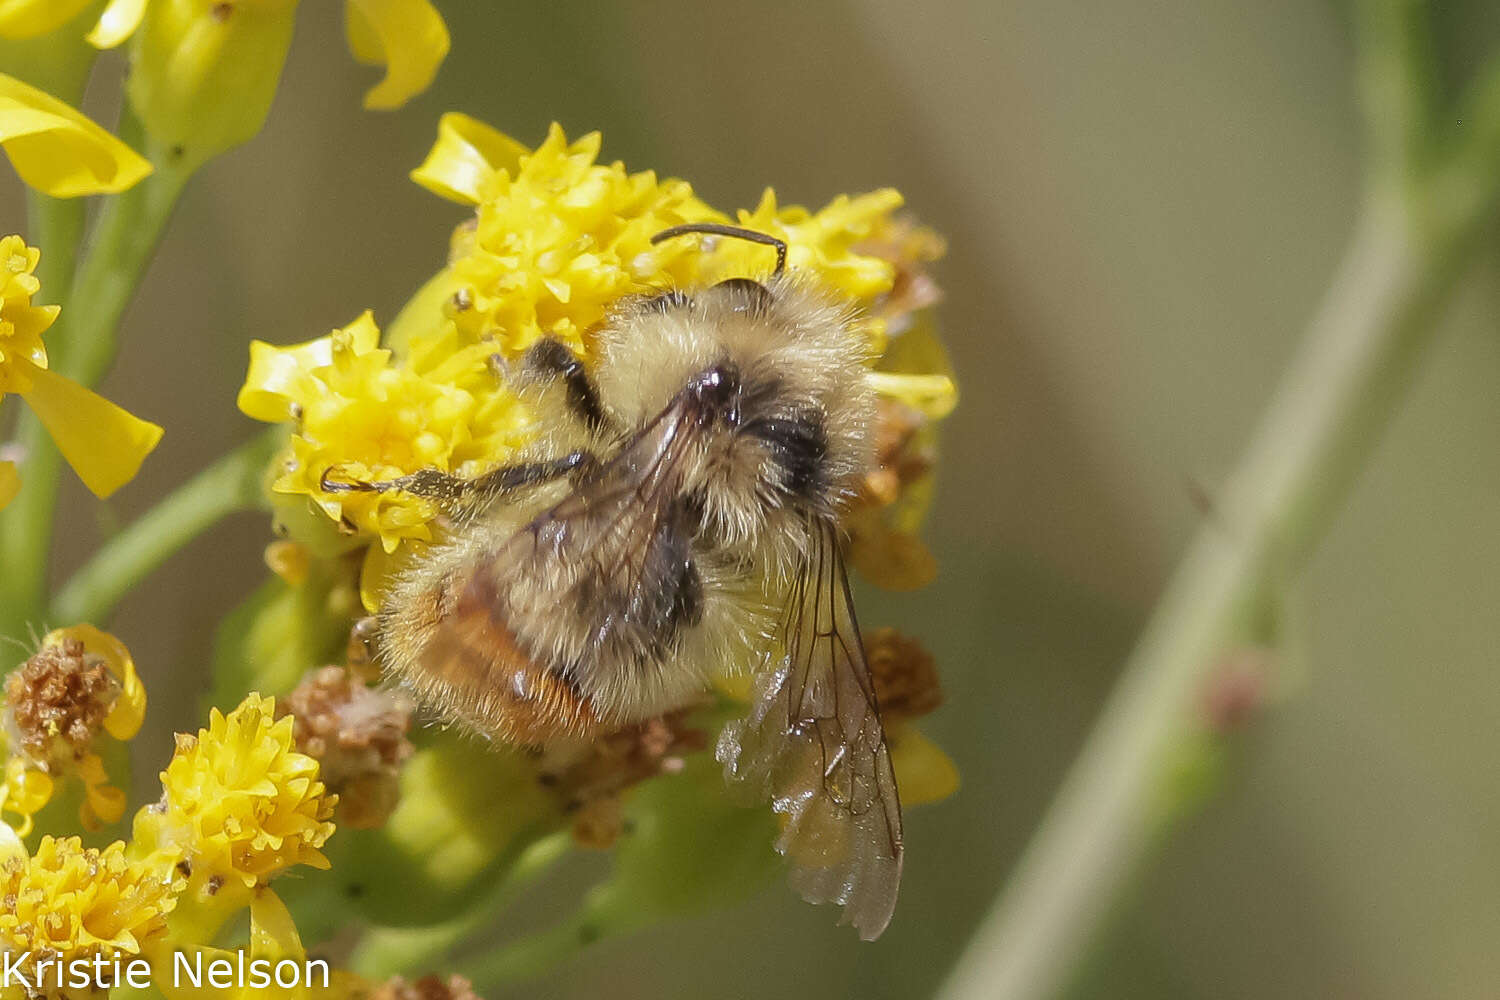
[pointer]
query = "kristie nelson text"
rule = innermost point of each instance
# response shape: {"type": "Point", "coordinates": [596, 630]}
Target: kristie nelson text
{"type": "Point", "coordinates": [189, 968]}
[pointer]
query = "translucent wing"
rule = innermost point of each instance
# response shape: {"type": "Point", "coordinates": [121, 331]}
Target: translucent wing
{"type": "Point", "coordinates": [562, 627]}
{"type": "Point", "coordinates": [813, 742]}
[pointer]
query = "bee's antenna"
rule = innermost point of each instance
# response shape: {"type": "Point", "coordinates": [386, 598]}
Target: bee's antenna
{"type": "Point", "coordinates": [720, 229]}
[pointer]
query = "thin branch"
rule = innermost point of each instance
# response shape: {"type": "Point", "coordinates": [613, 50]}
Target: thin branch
{"type": "Point", "coordinates": [1425, 210]}
{"type": "Point", "coordinates": [233, 483]}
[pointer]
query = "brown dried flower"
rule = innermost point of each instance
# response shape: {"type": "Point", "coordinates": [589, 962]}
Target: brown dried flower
{"type": "Point", "coordinates": [904, 673]}
{"type": "Point", "coordinates": [426, 988]}
{"type": "Point", "coordinates": [358, 736]}
{"type": "Point", "coordinates": [888, 556]}
{"type": "Point", "coordinates": [56, 701]}
{"type": "Point", "coordinates": [589, 779]}
{"type": "Point", "coordinates": [910, 247]}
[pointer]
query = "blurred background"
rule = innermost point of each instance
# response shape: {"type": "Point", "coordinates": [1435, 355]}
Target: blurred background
{"type": "Point", "coordinates": [1144, 202]}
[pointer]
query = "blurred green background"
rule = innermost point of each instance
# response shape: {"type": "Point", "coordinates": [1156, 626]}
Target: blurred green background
{"type": "Point", "coordinates": [1144, 202]}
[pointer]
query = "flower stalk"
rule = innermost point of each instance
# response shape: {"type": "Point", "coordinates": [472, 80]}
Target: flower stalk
{"type": "Point", "coordinates": [81, 347]}
{"type": "Point", "coordinates": [233, 483]}
{"type": "Point", "coordinates": [1424, 210]}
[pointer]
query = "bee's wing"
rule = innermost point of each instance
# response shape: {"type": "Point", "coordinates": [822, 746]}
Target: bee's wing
{"type": "Point", "coordinates": [506, 650]}
{"type": "Point", "coordinates": [813, 741]}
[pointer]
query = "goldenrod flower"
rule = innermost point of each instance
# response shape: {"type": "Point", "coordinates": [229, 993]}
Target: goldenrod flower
{"type": "Point", "coordinates": [560, 237]}
{"type": "Point", "coordinates": [80, 684]}
{"type": "Point", "coordinates": [57, 150]}
{"type": "Point", "coordinates": [360, 414]}
{"type": "Point", "coordinates": [238, 802]}
{"type": "Point", "coordinates": [73, 903]}
{"type": "Point", "coordinates": [103, 443]}
{"type": "Point", "coordinates": [204, 72]}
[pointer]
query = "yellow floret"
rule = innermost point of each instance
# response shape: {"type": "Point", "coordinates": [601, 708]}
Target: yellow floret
{"type": "Point", "coordinates": [239, 803]}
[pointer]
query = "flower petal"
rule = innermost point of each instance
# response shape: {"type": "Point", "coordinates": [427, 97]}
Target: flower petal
{"type": "Point", "coordinates": [270, 387]}
{"type": "Point", "coordinates": [23, 19]}
{"type": "Point", "coordinates": [10, 483]}
{"type": "Point", "coordinates": [104, 443]}
{"type": "Point", "coordinates": [273, 933]}
{"type": "Point", "coordinates": [924, 773]}
{"type": "Point", "coordinates": [933, 395]}
{"type": "Point", "coordinates": [58, 151]}
{"type": "Point", "coordinates": [407, 37]}
{"type": "Point", "coordinates": [117, 23]}
{"type": "Point", "coordinates": [467, 153]}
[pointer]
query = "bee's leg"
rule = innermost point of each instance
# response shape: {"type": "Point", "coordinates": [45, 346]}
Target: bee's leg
{"type": "Point", "coordinates": [452, 491]}
{"type": "Point", "coordinates": [508, 478]}
{"type": "Point", "coordinates": [550, 359]}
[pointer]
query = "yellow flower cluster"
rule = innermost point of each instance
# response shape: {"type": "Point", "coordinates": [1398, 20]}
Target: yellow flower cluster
{"type": "Point", "coordinates": [358, 410]}
{"type": "Point", "coordinates": [52, 721]}
{"type": "Point", "coordinates": [103, 443]}
{"type": "Point", "coordinates": [69, 902]}
{"type": "Point", "coordinates": [557, 238]}
{"type": "Point", "coordinates": [239, 803]}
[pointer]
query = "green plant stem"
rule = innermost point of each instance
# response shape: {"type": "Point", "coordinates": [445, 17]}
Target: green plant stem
{"type": "Point", "coordinates": [81, 345]}
{"type": "Point", "coordinates": [55, 227]}
{"type": "Point", "coordinates": [1360, 354]}
{"type": "Point", "coordinates": [129, 227]}
{"type": "Point", "coordinates": [231, 484]}
{"type": "Point", "coordinates": [1338, 395]}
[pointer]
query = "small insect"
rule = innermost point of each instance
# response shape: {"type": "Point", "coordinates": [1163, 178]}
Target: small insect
{"type": "Point", "coordinates": [678, 519]}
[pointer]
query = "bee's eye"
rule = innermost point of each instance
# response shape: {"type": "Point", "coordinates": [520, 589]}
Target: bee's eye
{"type": "Point", "coordinates": [746, 294]}
{"type": "Point", "coordinates": [719, 387]}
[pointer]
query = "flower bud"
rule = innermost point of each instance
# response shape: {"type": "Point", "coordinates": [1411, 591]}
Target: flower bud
{"type": "Point", "coordinates": [203, 73]}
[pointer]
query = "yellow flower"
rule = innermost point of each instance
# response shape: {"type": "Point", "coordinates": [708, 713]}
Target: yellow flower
{"type": "Point", "coordinates": [273, 937]}
{"type": "Point", "coordinates": [239, 803]}
{"type": "Point", "coordinates": [359, 414]}
{"type": "Point", "coordinates": [57, 150]}
{"type": "Point", "coordinates": [204, 72]}
{"type": "Point", "coordinates": [103, 443]}
{"type": "Point", "coordinates": [81, 682]}
{"type": "Point", "coordinates": [73, 903]}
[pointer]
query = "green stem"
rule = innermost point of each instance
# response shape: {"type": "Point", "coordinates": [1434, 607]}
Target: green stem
{"type": "Point", "coordinates": [233, 483]}
{"type": "Point", "coordinates": [1360, 355]}
{"type": "Point", "coordinates": [56, 227]}
{"type": "Point", "coordinates": [81, 345]}
{"type": "Point", "coordinates": [26, 530]}
{"type": "Point", "coordinates": [129, 226]}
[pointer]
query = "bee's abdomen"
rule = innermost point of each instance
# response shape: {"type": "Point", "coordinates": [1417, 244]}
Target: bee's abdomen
{"type": "Point", "coordinates": [469, 663]}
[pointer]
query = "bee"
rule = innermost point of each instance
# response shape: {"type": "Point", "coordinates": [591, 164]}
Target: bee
{"type": "Point", "coordinates": [678, 519]}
